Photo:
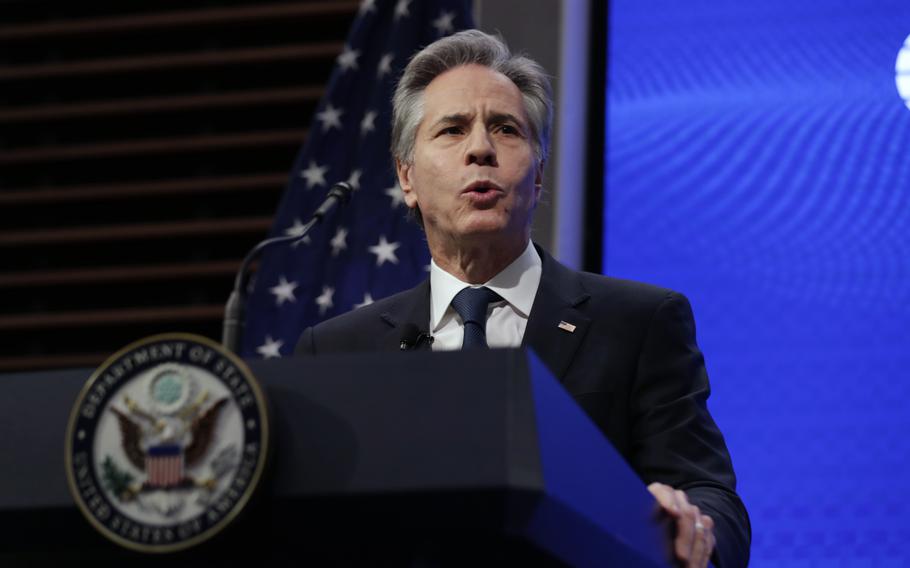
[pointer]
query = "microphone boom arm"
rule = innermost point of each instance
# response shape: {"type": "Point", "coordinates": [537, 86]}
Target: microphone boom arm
{"type": "Point", "coordinates": [232, 328]}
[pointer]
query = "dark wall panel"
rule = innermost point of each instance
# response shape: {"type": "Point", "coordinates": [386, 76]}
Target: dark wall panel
{"type": "Point", "coordinates": [143, 150]}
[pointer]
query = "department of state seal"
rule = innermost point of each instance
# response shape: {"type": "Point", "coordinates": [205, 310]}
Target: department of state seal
{"type": "Point", "coordinates": [166, 443]}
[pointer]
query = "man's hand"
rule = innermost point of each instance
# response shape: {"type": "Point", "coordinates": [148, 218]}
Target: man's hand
{"type": "Point", "coordinates": [694, 541]}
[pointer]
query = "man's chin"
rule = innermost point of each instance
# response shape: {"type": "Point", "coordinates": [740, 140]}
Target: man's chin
{"type": "Point", "coordinates": [486, 229]}
{"type": "Point", "coordinates": [484, 222]}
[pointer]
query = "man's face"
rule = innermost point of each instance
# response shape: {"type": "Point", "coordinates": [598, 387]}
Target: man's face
{"type": "Point", "coordinates": [474, 174]}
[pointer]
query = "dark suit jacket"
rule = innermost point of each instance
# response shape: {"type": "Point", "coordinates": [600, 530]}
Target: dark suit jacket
{"type": "Point", "coordinates": [632, 364]}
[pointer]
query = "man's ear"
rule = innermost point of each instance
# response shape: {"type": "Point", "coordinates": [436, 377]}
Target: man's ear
{"type": "Point", "coordinates": [405, 172]}
{"type": "Point", "coordinates": [538, 179]}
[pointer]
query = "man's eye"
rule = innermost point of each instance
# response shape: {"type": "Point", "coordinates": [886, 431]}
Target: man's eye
{"type": "Point", "coordinates": [451, 130]}
{"type": "Point", "coordinates": [508, 129]}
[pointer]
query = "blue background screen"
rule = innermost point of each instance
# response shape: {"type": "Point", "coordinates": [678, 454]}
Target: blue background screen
{"type": "Point", "coordinates": [758, 160]}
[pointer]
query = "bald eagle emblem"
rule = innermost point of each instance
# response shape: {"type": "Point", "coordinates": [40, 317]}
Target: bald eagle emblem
{"type": "Point", "coordinates": [166, 442]}
{"type": "Point", "coordinates": [166, 439]}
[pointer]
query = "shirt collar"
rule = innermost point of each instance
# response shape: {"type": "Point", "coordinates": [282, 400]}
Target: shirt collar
{"type": "Point", "coordinates": [517, 284]}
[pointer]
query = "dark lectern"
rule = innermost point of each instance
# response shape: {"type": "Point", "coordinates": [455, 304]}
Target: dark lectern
{"type": "Point", "coordinates": [412, 459]}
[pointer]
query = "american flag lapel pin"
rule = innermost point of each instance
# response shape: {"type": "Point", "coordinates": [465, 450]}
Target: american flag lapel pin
{"type": "Point", "coordinates": [566, 326]}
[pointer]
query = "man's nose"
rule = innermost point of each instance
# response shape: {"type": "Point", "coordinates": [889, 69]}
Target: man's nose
{"type": "Point", "coordinates": [481, 150]}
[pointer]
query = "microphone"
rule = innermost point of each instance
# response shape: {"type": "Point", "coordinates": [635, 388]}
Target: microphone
{"type": "Point", "coordinates": [339, 194]}
{"type": "Point", "coordinates": [412, 337]}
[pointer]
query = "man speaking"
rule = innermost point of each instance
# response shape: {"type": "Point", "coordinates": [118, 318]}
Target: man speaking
{"type": "Point", "coordinates": [470, 135]}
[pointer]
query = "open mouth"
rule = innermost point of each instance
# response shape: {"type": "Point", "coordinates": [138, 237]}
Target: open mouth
{"type": "Point", "coordinates": [482, 187]}
{"type": "Point", "coordinates": [483, 194]}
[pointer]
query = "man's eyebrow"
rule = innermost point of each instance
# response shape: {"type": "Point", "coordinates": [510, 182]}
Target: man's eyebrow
{"type": "Point", "coordinates": [498, 117]}
{"type": "Point", "coordinates": [457, 118]}
{"type": "Point", "coordinates": [494, 118]}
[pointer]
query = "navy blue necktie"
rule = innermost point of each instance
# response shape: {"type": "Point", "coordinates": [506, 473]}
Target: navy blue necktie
{"type": "Point", "coordinates": [471, 304]}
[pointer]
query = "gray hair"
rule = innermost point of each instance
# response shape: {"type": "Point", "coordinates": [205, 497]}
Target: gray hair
{"type": "Point", "coordinates": [466, 48]}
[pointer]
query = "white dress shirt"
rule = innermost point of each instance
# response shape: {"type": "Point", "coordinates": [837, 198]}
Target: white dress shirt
{"type": "Point", "coordinates": [506, 320]}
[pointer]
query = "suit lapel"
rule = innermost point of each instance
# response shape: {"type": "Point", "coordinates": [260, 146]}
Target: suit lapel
{"type": "Point", "coordinates": [559, 298]}
{"type": "Point", "coordinates": [556, 325]}
{"type": "Point", "coordinates": [413, 307]}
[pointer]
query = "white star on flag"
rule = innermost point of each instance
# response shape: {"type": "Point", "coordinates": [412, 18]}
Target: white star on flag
{"type": "Point", "coordinates": [396, 194]}
{"type": "Point", "coordinates": [314, 174]}
{"type": "Point", "coordinates": [354, 179]}
{"type": "Point", "coordinates": [444, 23]}
{"type": "Point", "coordinates": [366, 6]}
{"type": "Point", "coordinates": [385, 65]}
{"type": "Point", "coordinates": [348, 58]}
{"type": "Point", "coordinates": [296, 230]}
{"type": "Point", "coordinates": [324, 300]}
{"type": "Point", "coordinates": [339, 242]}
{"type": "Point", "coordinates": [330, 117]}
{"type": "Point", "coordinates": [401, 9]}
{"type": "Point", "coordinates": [367, 300]}
{"type": "Point", "coordinates": [366, 125]}
{"type": "Point", "coordinates": [270, 349]}
{"type": "Point", "coordinates": [385, 251]}
{"type": "Point", "coordinates": [284, 291]}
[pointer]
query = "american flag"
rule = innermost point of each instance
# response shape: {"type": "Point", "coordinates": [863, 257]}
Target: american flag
{"type": "Point", "coordinates": [164, 465]}
{"type": "Point", "coordinates": [368, 249]}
